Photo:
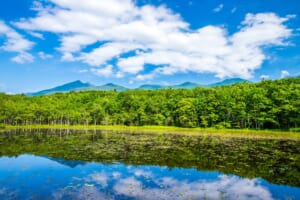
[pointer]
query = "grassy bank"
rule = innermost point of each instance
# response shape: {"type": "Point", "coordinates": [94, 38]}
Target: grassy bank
{"type": "Point", "coordinates": [228, 133]}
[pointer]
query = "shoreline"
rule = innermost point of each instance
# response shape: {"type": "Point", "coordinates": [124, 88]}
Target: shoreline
{"type": "Point", "coordinates": [225, 133]}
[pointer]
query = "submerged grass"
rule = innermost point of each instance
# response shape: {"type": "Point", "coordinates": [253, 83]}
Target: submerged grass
{"type": "Point", "coordinates": [226, 133]}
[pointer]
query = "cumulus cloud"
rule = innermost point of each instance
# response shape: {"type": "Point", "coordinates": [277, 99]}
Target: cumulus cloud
{"type": "Point", "coordinates": [284, 74]}
{"type": "Point", "coordinates": [99, 32]}
{"type": "Point", "coordinates": [23, 57]}
{"type": "Point", "coordinates": [106, 72]}
{"type": "Point", "coordinates": [104, 53]}
{"type": "Point", "coordinates": [14, 42]}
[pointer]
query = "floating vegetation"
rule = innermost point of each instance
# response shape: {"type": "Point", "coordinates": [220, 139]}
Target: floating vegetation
{"type": "Point", "coordinates": [277, 161]}
{"type": "Point", "coordinates": [123, 165]}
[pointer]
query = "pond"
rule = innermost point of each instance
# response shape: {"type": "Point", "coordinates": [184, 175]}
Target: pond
{"type": "Point", "coordinates": [93, 164]}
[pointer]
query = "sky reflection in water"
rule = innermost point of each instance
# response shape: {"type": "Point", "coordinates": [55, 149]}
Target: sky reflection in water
{"type": "Point", "coordinates": [32, 177]}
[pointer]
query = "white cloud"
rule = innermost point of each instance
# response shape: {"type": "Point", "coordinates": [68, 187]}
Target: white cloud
{"type": "Point", "coordinates": [131, 65]}
{"type": "Point", "coordinates": [106, 71]}
{"type": "Point", "coordinates": [284, 74]}
{"type": "Point", "coordinates": [37, 35]}
{"type": "Point", "coordinates": [101, 55]}
{"type": "Point", "coordinates": [23, 57]}
{"type": "Point", "coordinates": [101, 31]}
{"type": "Point", "coordinates": [219, 8]}
{"type": "Point", "coordinates": [44, 56]}
{"type": "Point", "coordinates": [16, 43]}
{"type": "Point", "coordinates": [143, 77]}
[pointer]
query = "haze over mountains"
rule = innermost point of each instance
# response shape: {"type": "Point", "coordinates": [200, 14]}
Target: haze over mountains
{"type": "Point", "coordinates": [81, 86]}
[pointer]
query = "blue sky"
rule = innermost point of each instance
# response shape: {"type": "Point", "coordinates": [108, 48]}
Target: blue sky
{"type": "Point", "coordinates": [45, 43]}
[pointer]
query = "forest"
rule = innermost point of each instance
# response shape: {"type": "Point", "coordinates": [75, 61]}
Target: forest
{"type": "Point", "coordinates": [269, 104]}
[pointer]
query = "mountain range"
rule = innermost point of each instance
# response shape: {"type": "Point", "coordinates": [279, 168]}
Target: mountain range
{"type": "Point", "coordinates": [80, 86]}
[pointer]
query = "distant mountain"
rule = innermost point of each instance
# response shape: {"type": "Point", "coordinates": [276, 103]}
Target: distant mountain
{"type": "Point", "coordinates": [228, 82]}
{"type": "Point", "coordinates": [73, 86]}
{"type": "Point", "coordinates": [80, 86]}
{"type": "Point", "coordinates": [151, 87]}
{"type": "Point", "coordinates": [109, 87]}
{"type": "Point", "coordinates": [186, 85]}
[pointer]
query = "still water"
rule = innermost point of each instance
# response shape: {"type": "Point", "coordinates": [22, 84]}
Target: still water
{"type": "Point", "coordinates": [66, 164]}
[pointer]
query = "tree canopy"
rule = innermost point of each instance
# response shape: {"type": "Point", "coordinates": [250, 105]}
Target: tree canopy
{"type": "Point", "coordinates": [268, 104]}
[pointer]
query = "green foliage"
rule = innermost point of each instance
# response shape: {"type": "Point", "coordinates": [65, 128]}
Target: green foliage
{"type": "Point", "coordinates": [265, 105]}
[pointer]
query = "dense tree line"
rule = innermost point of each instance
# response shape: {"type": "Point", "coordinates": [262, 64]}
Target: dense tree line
{"type": "Point", "coordinates": [268, 104]}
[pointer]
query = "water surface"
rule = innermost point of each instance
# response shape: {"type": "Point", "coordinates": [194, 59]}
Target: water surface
{"type": "Point", "coordinates": [66, 164]}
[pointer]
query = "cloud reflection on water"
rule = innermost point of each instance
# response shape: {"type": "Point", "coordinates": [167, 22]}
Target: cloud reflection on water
{"type": "Point", "coordinates": [118, 181]}
{"type": "Point", "coordinates": [225, 187]}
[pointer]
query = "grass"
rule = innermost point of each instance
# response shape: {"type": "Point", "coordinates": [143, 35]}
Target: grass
{"type": "Point", "coordinates": [226, 133]}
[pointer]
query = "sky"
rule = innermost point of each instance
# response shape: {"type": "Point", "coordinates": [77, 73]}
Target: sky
{"type": "Point", "coordinates": [45, 43]}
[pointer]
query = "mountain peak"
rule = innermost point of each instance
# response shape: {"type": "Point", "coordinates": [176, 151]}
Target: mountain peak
{"type": "Point", "coordinates": [228, 82]}
{"type": "Point", "coordinates": [187, 85]}
{"type": "Point", "coordinates": [77, 83]}
{"type": "Point", "coordinates": [67, 87]}
{"type": "Point", "coordinates": [111, 86]}
{"type": "Point", "coordinates": [72, 85]}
